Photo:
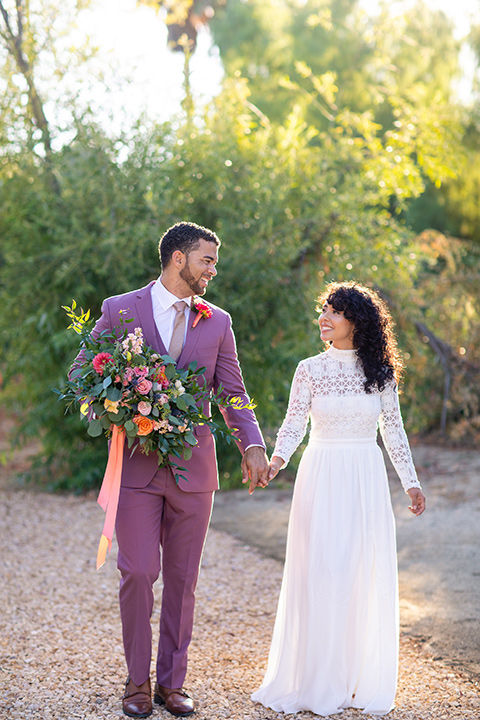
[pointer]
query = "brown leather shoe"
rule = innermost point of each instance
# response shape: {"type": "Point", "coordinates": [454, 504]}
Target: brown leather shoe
{"type": "Point", "coordinates": [137, 701]}
{"type": "Point", "coordinates": [175, 700]}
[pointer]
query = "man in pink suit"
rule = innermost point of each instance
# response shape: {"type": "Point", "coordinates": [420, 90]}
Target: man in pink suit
{"type": "Point", "coordinates": [153, 511]}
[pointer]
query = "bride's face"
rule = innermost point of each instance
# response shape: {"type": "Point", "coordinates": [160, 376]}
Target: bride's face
{"type": "Point", "coordinates": [335, 328]}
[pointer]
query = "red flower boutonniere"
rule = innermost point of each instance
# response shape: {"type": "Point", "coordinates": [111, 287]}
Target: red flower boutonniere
{"type": "Point", "coordinates": [203, 310]}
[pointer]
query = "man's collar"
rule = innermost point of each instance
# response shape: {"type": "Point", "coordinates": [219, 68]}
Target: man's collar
{"type": "Point", "coordinates": [165, 297]}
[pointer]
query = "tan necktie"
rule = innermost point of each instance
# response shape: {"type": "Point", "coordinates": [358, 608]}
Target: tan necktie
{"type": "Point", "coordinates": [176, 343]}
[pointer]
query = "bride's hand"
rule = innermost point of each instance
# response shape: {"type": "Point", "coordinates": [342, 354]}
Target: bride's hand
{"type": "Point", "coordinates": [276, 463]}
{"type": "Point", "coordinates": [418, 501]}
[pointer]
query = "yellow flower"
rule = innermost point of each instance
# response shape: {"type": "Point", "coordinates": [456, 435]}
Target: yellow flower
{"type": "Point", "coordinates": [237, 404]}
{"type": "Point", "coordinates": [111, 406]}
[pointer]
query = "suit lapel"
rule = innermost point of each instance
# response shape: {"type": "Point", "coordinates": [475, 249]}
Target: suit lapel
{"type": "Point", "coordinates": [144, 311]}
{"type": "Point", "coordinates": [190, 341]}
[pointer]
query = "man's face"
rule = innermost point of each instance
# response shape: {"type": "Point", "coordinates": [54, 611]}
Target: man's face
{"type": "Point", "coordinates": [199, 267]}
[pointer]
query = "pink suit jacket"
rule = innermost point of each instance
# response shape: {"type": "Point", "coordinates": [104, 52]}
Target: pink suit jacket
{"type": "Point", "coordinates": [212, 344]}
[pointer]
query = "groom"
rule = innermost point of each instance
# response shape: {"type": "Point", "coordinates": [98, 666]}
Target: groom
{"type": "Point", "coordinates": [153, 511]}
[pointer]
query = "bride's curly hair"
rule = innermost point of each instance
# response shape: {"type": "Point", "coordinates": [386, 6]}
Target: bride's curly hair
{"type": "Point", "coordinates": [373, 335]}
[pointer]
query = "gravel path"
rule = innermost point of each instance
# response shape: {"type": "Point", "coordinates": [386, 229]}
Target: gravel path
{"type": "Point", "coordinates": [60, 637]}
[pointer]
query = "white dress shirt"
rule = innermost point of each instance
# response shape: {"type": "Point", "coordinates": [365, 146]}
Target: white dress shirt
{"type": "Point", "coordinates": [164, 312]}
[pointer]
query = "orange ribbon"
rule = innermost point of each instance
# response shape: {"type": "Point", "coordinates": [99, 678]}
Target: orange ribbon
{"type": "Point", "coordinates": [110, 491]}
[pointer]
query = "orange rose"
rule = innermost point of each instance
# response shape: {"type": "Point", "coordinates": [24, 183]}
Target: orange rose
{"type": "Point", "coordinates": [144, 424]}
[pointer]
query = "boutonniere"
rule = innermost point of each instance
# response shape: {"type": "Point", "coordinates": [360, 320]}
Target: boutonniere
{"type": "Point", "coordinates": [203, 310]}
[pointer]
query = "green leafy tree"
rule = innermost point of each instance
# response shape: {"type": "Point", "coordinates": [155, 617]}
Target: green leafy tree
{"type": "Point", "coordinates": [36, 57]}
{"type": "Point", "coordinates": [286, 208]}
{"type": "Point", "coordinates": [298, 199]}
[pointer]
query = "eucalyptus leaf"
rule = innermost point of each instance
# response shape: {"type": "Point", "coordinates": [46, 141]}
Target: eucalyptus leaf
{"type": "Point", "coordinates": [97, 389]}
{"type": "Point", "coordinates": [95, 428]}
{"type": "Point", "coordinates": [170, 371]}
{"type": "Point", "coordinates": [114, 394]}
{"type": "Point", "coordinates": [181, 404]}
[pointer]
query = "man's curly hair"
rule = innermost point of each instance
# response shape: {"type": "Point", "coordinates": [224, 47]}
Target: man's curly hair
{"type": "Point", "coordinates": [373, 335]}
{"type": "Point", "coordinates": [184, 236]}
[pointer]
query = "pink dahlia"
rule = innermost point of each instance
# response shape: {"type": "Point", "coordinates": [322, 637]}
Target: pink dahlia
{"type": "Point", "coordinates": [100, 360]}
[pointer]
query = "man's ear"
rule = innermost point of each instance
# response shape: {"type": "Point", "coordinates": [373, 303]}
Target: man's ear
{"type": "Point", "coordinates": [178, 259]}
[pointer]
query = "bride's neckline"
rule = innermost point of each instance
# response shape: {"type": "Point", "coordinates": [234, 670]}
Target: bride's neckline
{"type": "Point", "coordinates": [343, 355]}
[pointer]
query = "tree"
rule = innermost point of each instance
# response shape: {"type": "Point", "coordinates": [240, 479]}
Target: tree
{"type": "Point", "coordinates": [18, 43]}
{"type": "Point", "coordinates": [183, 19]}
{"type": "Point", "coordinates": [297, 200]}
{"type": "Point", "coordinates": [454, 207]}
{"type": "Point", "coordinates": [287, 209]}
{"type": "Point", "coordinates": [33, 56]}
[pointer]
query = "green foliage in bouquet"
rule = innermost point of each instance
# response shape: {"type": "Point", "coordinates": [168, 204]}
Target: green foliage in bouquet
{"type": "Point", "coordinates": [118, 380]}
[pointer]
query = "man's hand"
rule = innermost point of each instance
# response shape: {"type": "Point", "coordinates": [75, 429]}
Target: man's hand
{"type": "Point", "coordinates": [255, 468]}
{"type": "Point", "coordinates": [418, 500]}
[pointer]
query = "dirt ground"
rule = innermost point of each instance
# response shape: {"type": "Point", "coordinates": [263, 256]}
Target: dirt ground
{"type": "Point", "coordinates": [438, 553]}
{"type": "Point", "coordinates": [60, 635]}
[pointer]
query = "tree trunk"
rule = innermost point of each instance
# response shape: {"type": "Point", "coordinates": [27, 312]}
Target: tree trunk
{"type": "Point", "coordinates": [442, 351]}
{"type": "Point", "coordinates": [14, 43]}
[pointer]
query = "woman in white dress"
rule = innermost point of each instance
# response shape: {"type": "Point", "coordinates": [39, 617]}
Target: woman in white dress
{"type": "Point", "coordinates": [335, 641]}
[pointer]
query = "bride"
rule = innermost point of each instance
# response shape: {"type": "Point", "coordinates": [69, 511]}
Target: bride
{"type": "Point", "coordinates": [335, 641]}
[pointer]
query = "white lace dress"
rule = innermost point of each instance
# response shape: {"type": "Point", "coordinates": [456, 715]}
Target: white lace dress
{"type": "Point", "coordinates": [335, 641]}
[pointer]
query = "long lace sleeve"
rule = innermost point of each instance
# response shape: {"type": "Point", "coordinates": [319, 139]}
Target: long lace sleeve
{"type": "Point", "coordinates": [294, 425]}
{"type": "Point", "coordinates": [395, 439]}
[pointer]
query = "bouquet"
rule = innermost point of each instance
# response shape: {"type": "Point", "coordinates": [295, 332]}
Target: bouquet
{"type": "Point", "coordinates": [126, 391]}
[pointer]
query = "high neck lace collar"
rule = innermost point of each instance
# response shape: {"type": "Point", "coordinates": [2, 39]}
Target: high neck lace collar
{"type": "Point", "coordinates": [342, 355]}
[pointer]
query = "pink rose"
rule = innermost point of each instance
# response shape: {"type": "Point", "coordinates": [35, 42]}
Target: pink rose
{"type": "Point", "coordinates": [140, 372]}
{"type": "Point", "coordinates": [144, 408]}
{"type": "Point", "coordinates": [128, 375]}
{"type": "Point", "coordinates": [162, 399]}
{"type": "Point", "coordinates": [144, 387]}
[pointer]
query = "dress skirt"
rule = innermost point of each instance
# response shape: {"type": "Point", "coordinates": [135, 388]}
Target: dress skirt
{"type": "Point", "coordinates": [335, 641]}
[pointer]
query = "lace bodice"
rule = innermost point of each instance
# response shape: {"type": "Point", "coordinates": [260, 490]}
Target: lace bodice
{"type": "Point", "coordinates": [329, 388]}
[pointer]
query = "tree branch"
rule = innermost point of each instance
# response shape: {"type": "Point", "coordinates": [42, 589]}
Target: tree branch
{"type": "Point", "coordinates": [9, 38]}
{"type": "Point", "coordinates": [443, 352]}
{"type": "Point", "coordinates": [15, 46]}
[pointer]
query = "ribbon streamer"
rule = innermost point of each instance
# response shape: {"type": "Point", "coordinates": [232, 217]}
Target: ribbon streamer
{"type": "Point", "coordinates": [110, 491]}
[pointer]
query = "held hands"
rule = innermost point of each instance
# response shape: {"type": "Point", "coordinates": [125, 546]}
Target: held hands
{"type": "Point", "coordinates": [255, 468]}
{"type": "Point", "coordinates": [276, 464]}
{"type": "Point", "coordinates": [418, 500]}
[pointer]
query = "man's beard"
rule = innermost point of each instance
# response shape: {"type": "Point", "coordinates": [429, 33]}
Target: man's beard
{"type": "Point", "coordinates": [192, 283]}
